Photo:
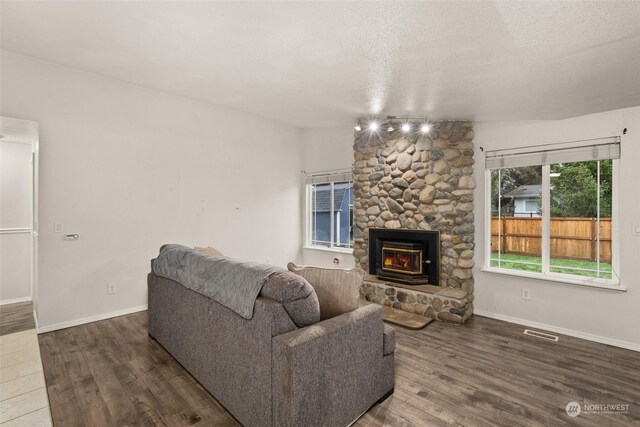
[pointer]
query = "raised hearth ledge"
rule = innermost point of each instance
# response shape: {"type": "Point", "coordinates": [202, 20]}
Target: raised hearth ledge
{"type": "Point", "coordinates": [440, 303]}
{"type": "Point", "coordinates": [427, 289]}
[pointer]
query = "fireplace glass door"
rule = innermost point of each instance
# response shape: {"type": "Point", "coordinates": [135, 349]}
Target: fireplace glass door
{"type": "Point", "coordinates": [401, 259]}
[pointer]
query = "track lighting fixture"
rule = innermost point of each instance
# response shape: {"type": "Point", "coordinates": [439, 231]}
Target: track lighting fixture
{"type": "Point", "coordinates": [408, 124]}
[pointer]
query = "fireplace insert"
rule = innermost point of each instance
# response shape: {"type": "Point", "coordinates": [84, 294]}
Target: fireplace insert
{"type": "Point", "coordinates": [405, 256]}
{"type": "Point", "coordinates": [399, 257]}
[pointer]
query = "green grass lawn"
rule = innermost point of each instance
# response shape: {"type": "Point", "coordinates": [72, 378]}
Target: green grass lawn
{"type": "Point", "coordinates": [530, 263]}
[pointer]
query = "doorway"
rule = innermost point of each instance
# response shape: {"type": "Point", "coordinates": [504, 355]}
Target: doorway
{"type": "Point", "coordinates": [19, 147]}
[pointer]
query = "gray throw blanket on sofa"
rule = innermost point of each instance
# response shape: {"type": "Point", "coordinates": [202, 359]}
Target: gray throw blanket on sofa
{"type": "Point", "coordinates": [231, 282]}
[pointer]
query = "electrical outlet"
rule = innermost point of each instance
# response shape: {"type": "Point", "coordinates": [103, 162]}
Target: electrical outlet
{"type": "Point", "coordinates": [57, 228]}
{"type": "Point", "coordinates": [111, 288]}
{"type": "Point", "coordinates": [526, 294]}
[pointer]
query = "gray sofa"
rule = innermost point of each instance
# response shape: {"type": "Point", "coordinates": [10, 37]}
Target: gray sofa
{"type": "Point", "coordinates": [269, 371]}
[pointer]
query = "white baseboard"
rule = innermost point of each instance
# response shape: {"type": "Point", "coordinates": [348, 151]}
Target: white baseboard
{"type": "Point", "coordinates": [64, 325]}
{"type": "Point", "coordinates": [559, 330]}
{"type": "Point", "coordinates": [15, 300]}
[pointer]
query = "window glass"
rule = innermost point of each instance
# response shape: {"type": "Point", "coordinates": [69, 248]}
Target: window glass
{"type": "Point", "coordinates": [321, 214]}
{"type": "Point", "coordinates": [516, 234]}
{"type": "Point", "coordinates": [331, 216]}
{"type": "Point", "coordinates": [343, 214]}
{"type": "Point", "coordinates": [580, 228]}
{"type": "Point", "coordinates": [531, 206]}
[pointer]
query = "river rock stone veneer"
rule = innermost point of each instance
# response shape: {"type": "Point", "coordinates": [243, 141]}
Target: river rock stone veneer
{"type": "Point", "coordinates": [438, 302]}
{"type": "Point", "coordinates": [419, 181]}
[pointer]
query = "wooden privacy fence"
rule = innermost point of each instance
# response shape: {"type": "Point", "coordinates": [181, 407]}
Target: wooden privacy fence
{"type": "Point", "coordinates": [571, 238]}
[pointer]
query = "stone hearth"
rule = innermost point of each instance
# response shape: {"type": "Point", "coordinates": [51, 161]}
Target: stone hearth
{"type": "Point", "coordinates": [438, 302]}
{"type": "Point", "coordinates": [419, 181]}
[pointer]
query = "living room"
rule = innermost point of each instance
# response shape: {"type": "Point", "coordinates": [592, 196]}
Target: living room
{"type": "Point", "coordinates": [227, 124]}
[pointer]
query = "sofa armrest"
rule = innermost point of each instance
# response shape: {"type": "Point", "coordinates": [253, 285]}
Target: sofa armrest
{"type": "Point", "coordinates": [329, 373]}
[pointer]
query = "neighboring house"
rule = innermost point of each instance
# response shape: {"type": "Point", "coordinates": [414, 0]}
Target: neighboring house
{"type": "Point", "coordinates": [525, 200]}
{"type": "Point", "coordinates": [321, 211]}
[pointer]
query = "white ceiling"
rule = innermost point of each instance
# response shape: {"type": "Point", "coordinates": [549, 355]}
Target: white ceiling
{"type": "Point", "coordinates": [318, 64]}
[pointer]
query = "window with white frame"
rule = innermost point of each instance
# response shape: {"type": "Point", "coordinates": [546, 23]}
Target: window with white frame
{"type": "Point", "coordinates": [551, 211]}
{"type": "Point", "coordinates": [330, 210]}
{"type": "Point", "coordinates": [531, 206]}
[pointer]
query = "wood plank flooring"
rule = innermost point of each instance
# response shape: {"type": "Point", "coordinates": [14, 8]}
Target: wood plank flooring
{"type": "Point", "coordinates": [483, 373]}
{"type": "Point", "coordinates": [16, 317]}
{"type": "Point", "coordinates": [111, 373]}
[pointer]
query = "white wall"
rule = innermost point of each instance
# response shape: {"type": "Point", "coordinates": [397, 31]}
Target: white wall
{"type": "Point", "coordinates": [15, 184]}
{"type": "Point", "coordinates": [15, 212]}
{"type": "Point", "coordinates": [597, 314]}
{"type": "Point", "coordinates": [129, 168]}
{"type": "Point", "coordinates": [326, 149]}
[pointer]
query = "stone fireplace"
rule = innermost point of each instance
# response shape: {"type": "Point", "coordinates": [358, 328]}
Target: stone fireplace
{"type": "Point", "coordinates": [408, 185]}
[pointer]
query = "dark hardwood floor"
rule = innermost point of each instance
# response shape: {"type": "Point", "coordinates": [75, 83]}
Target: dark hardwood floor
{"type": "Point", "coordinates": [16, 317]}
{"type": "Point", "coordinates": [483, 373]}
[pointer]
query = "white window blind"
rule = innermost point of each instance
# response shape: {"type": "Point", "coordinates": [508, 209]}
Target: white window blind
{"type": "Point", "coordinates": [575, 151]}
{"type": "Point", "coordinates": [330, 176]}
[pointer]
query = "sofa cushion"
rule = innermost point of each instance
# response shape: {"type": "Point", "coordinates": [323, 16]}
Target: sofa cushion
{"type": "Point", "coordinates": [208, 250]}
{"type": "Point", "coordinates": [295, 294]}
{"type": "Point", "coordinates": [338, 290]}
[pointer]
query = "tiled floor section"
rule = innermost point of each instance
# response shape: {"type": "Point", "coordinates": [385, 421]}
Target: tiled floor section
{"type": "Point", "coordinates": [23, 395]}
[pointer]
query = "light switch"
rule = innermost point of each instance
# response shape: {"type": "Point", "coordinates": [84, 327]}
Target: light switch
{"type": "Point", "coordinates": [57, 228]}
{"type": "Point", "coordinates": [636, 229]}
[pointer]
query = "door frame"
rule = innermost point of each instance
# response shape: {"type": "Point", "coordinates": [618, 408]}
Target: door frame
{"type": "Point", "coordinates": [27, 132]}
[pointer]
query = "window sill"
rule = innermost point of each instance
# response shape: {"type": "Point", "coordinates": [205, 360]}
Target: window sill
{"type": "Point", "coordinates": [608, 285]}
{"type": "Point", "coordinates": [325, 249]}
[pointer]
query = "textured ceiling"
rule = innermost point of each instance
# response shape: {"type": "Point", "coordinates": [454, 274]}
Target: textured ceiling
{"type": "Point", "coordinates": [317, 64]}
